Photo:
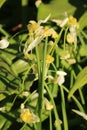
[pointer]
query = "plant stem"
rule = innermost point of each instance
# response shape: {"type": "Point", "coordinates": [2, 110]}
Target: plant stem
{"type": "Point", "coordinates": [42, 77]}
{"type": "Point", "coordinates": [39, 127]}
{"type": "Point", "coordinates": [75, 99]}
{"type": "Point", "coordinates": [64, 109]}
{"type": "Point", "coordinates": [4, 32]}
{"type": "Point", "coordinates": [84, 34]}
{"type": "Point", "coordinates": [50, 116]}
{"type": "Point", "coordinates": [22, 128]}
{"type": "Point", "coordinates": [65, 38]}
{"type": "Point", "coordinates": [80, 91]}
{"type": "Point", "coordinates": [41, 73]}
{"type": "Point", "coordinates": [81, 96]}
{"type": "Point", "coordinates": [58, 127]}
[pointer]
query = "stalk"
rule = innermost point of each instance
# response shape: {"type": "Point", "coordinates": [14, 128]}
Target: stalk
{"type": "Point", "coordinates": [41, 75]}
{"type": "Point", "coordinates": [65, 121]}
{"type": "Point", "coordinates": [41, 87]}
{"type": "Point", "coordinates": [4, 32]}
{"type": "Point", "coordinates": [50, 122]}
{"type": "Point", "coordinates": [80, 90]}
{"type": "Point", "coordinates": [75, 99]}
{"type": "Point", "coordinates": [58, 127]}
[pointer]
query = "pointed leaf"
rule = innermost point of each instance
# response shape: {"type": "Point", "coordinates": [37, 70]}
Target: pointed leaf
{"type": "Point", "coordinates": [81, 80]}
{"type": "Point", "coordinates": [83, 20]}
{"type": "Point", "coordinates": [2, 2]}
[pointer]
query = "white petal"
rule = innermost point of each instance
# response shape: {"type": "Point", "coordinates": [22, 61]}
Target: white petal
{"type": "Point", "coordinates": [82, 114]}
{"type": "Point", "coordinates": [37, 3]}
{"type": "Point", "coordinates": [45, 20]}
{"type": "Point", "coordinates": [4, 43]}
{"type": "Point", "coordinates": [61, 80]}
{"type": "Point", "coordinates": [64, 22]}
{"type": "Point", "coordinates": [61, 73]}
{"type": "Point", "coordinates": [33, 44]}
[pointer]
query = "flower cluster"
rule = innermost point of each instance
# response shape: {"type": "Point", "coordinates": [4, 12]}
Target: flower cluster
{"type": "Point", "coordinates": [37, 33]}
{"type": "Point", "coordinates": [72, 24]}
{"type": "Point", "coordinates": [60, 79]}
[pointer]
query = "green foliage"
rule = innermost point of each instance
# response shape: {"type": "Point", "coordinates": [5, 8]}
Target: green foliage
{"type": "Point", "coordinates": [83, 20]}
{"type": "Point", "coordinates": [81, 80]}
{"type": "Point", "coordinates": [42, 67]}
{"type": "Point", "coordinates": [2, 2]}
{"type": "Point", "coordinates": [56, 8]}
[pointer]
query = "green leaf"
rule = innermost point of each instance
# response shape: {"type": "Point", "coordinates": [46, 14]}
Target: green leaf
{"type": "Point", "coordinates": [21, 65]}
{"type": "Point", "coordinates": [83, 50]}
{"type": "Point", "coordinates": [83, 20]}
{"type": "Point", "coordinates": [2, 2]}
{"type": "Point", "coordinates": [81, 80]}
{"type": "Point", "coordinates": [56, 8]}
{"type": "Point", "coordinates": [6, 63]}
{"type": "Point", "coordinates": [2, 121]}
{"type": "Point", "coordinates": [2, 96]}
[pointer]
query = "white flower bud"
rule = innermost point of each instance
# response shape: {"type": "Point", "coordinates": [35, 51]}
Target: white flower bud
{"type": "Point", "coordinates": [4, 43]}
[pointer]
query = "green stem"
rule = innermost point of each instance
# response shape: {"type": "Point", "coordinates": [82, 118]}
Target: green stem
{"type": "Point", "coordinates": [41, 73]}
{"type": "Point", "coordinates": [81, 39]}
{"type": "Point", "coordinates": [41, 87]}
{"type": "Point", "coordinates": [38, 62]}
{"type": "Point", "coordinates": [25, 76]}
{"type": "Point", "coordinates": [65, 38]}
{"type": "Point", "coordinates": [71, 79]}
{"type": "Point", "coordinates": [50, 116]}
{"type": "Point", "coordinates": [65, 121]}
{"type": "Point", "coordinates": [23, 127]}
{"type": "Point", "coordinates": [58, 127]}
{"type": "Point", "coordinates": [75, 99]}
{"type": "Point", "coordinates": [80, 91]}
{"type": "Point", "coordinates": [81, 96]}
{"type": "Point", "coordinates": [39, 127]}
{"type": "Point", "coordinates": [84, 34]}
{"type": "Point", "coordinates": [4, 32]}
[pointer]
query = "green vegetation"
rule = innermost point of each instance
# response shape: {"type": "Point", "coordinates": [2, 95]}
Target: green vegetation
{"type": "Point", "coordinates": [43, 65]}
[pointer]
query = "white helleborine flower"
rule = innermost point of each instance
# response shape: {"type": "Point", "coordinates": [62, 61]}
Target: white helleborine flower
{"type": "Point", "coordinates": [25, 93]}
{"type": "Point", "coordinates": [4, 43]}
{"type": "Point", "coordinates": [49, 105]}
{"type": "Point", "coordinates": [2, 108]}
{"type": "Point", "coordinates": [37, 3]}
{"type": "Point", "coordinates": [61, 78]}
{"type": "Point", "coordinates": [29, 117]}
{"type": "Point", "coordinates": [22, 106]}
{"type": "Point", "coordinates": [33, 44]}
{"type": "Point", "coordinates": [45, 20]}
{"type": "Point", "coordinates": [73, 34]}
{"type": "Point", "coordinates": [61, 23]}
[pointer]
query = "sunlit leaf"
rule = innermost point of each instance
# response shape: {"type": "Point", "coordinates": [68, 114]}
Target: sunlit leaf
{"type": "Point", "coordinates": [83, 20]}
{"type": "Point", "coordinates": [2, 2]}
{"type": "Point", "coordinates": [83, 50]}
{"type": "Point", "coordinates": [56, 8]}
{"type": "Point", "coordinates": [21, 65]}
{"type": "Point", "coordinates": [2, 121]}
